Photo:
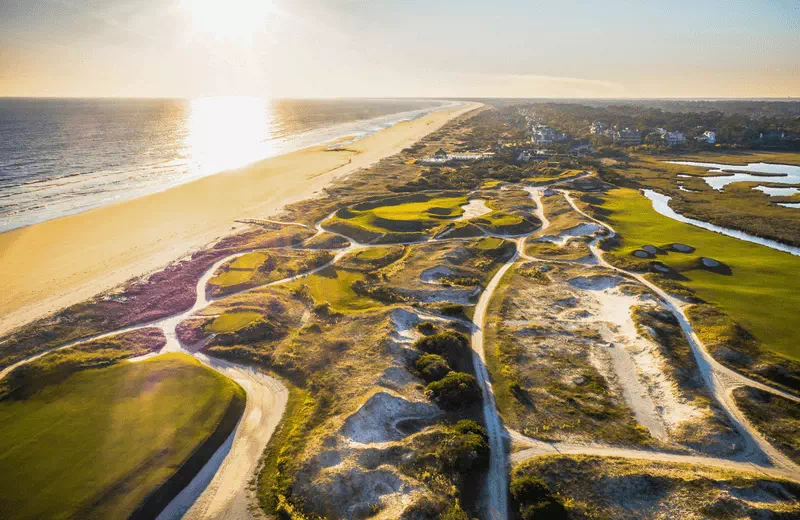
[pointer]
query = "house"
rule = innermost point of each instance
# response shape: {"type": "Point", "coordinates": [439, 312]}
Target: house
{"type": "Point", "coordinates": [442, 157]}
{"type": "Point", "coordinates": [708, 137]}
{"type": "Point", "coordinates": [627, 137]}
{"type": "Point", "coordinates": [535, 155]}
{"type": "Point", "coordinates": [598, 128]}
{"type": "Point", "coordinates": [544, 135]}
{"type": "Point", "coordinates": [674, 138]}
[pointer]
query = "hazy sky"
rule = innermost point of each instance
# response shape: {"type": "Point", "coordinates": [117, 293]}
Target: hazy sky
{"type": "Point", "coordinates": [357, 48]}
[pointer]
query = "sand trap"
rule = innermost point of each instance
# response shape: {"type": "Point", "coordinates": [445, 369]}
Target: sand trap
{"type": "Point", "coordinates": [682, 248]}
{"type": "Point", "coordinates": [661, 268]}
{"type": "Point", "coordinates": [473, 209]}
{"type": "Point", "coordinates": [642, 254]}
{"type": "Point", "coordinates": [653, 250]}
{"type": "Point", "coordinates": [377, 420]}
{"type": "Point", "coordinates": [434, 274]}
{"type": "Point", "coordinates": [596, 283]}
{"type": "Point", "coordinates": [709, 262]}
{"type": "Point", "coordinates": [358, 493]}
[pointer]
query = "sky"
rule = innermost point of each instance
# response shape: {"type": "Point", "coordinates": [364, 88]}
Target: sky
{"type": "Point", "coordinates": [400, 48]}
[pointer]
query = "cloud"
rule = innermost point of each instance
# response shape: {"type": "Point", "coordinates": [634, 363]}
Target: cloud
{"type": "Point", "coordinates": [539, 85]}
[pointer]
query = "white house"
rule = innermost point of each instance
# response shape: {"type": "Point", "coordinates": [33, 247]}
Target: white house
{"type": "Point", "coordinates": [710, 137]}
{"type": "Point", "coordinates": [674, 138]}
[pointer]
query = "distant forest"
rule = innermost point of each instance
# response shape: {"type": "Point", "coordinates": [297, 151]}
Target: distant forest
{"type": "Point", "coordinates": [764, 127]}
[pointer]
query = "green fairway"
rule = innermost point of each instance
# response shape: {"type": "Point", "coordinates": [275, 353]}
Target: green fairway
{"type": "Point", "coordinates": [95, 445]}
{"type": "Point", "coordinates": [763, 292]}
{"type": "Point", "coordinates": [419, 214]}
{"type": "Point", "coordinates": [335, 287]}
{"type": "Point", "coordinates": [438, 208]}
{"type": "Point", "coordinates": [232, 321]}
{"type": "Point", "coordinates": [249, 261]}
{"type": "Point", "coordinates": [232, 277]}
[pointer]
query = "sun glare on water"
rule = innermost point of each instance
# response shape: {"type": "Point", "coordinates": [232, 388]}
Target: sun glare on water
{"type": "Point", "coordinates": [228, 20]}
{"type": "Point", "coordinates": [227, 132]}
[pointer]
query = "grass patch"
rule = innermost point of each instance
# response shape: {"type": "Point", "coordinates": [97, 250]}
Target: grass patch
{"type": "Point", "coordinates": [606, 487]}
{"type": "Point", "coordinates": [100, 443]}
{"type": "Point", "coordinates": [335, 287]}
{"type": "Point", "coordinates": [402, 216]}
{"type": "Point", "coordinates": [232, 321]}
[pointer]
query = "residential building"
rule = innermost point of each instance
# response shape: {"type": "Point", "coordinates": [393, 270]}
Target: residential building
{"type": "Point", "coordinates": [442, 157]}
{"type": "Point", "coordinates": [708, 137]}
{"type": "Point", "coordinates": [598, 128]}
{"type": "Point", "coordinates": [627, 137]}
{"type": "Point", "coordinates": [674, 138]}
{"type": "Point", "coordinates": [545, 136]}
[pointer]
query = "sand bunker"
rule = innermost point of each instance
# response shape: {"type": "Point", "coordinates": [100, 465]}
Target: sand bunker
{"type": "Point", "coordinates": [384, 418]}
{"type": "Point", "coordinates": [596, 283]}
{"type": "Point", "coordinates": [653, 250]}
{"type": "Point", "coordinates": [356, 493]}
{"type": "Point", "coordinates": [434, 274]}
{"type": "Point", "coordinates": [642, 254]}
{"type": "Point", "coordinates": [682, 248]}
{"type": "Point", "coordinates": [709, 262]}
{"type": "Point", "coordinates": [474, 208]}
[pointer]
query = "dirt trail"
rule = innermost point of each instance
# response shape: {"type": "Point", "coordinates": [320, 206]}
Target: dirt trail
{"type": "Point", "coordinates": [538, 448]}
{"type": "Point", "coordinates": [497, 479]}
{"type": "Point", "coordinates": [720, 380]}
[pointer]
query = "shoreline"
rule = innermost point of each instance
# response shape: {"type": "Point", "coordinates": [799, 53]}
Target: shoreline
{"type": "Point", "coordinates": [60, 262]}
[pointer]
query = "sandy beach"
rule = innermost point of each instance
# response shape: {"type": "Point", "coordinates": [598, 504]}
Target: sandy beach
{"type": "Point", "coordinates": [60, 262]}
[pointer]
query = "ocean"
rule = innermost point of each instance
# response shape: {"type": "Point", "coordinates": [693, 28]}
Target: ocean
{"type": "Point", "coordinates": [63, 156]}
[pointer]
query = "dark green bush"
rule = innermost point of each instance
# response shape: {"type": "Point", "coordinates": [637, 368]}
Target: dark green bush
{"type": "Point", "coordinates": [455, 390]}
{"type": "Point", "coordinates": [535, 501]}
{"type": "Point", "coordinates": [453, 346]}
{"type": "Point", "coordinates": [432, 367]}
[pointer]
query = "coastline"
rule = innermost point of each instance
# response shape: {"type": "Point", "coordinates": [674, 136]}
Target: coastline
{"type": "Point", "coordinates": [57, 263]}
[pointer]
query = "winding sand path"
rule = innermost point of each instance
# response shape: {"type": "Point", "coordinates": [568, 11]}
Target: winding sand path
{"type": "Point", "coordinates": [538, 448]}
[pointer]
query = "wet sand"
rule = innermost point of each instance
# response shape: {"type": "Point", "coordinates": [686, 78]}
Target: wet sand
{"type": "Point", "coordinates": [60, 262]}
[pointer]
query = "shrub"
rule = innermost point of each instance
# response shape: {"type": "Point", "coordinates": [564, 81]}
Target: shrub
{"type": "Point", "coordinates": [454, 310]}
{"type": "Point", "coordinates": [535, 499]}
{"type": "Point", "coordinates": [432, 367]}
{"type": "Point", "coordinates": [426, 328]}
{"type": "Point", "coordinates": [455, 390]}
{"type": "Point", "coordinates": [453, 346]}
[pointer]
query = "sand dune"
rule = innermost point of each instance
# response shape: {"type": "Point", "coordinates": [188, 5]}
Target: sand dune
{"type": "Point", "coordinates": [63, 261]}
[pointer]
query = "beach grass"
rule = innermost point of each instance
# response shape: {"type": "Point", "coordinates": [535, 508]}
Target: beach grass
{"type": "Point", "coordinates": [762, 291]}
{"type": "Point", "coordinates": [129, 428]}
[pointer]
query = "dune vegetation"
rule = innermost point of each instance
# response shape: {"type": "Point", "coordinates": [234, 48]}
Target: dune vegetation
{"type": "Point", "coordinates": [120, 460]}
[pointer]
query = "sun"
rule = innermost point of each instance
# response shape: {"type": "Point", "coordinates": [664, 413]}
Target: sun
{"type": "Point", "coordinates": [228, 20]}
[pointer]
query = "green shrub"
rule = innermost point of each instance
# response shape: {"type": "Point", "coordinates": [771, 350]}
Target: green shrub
{"type": "Point", "coordinates": [465, 449]}
{"type": "Point", "coordinates": [426, 328]}
{"type": "Point", "coordinates": [535, 501]}
{"type": "Point", "coordinates": [455, 390]}
{"type": "Point", "coordinates": [453, 346]}
{"type": "Point", "coordinates": [432, 367]}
